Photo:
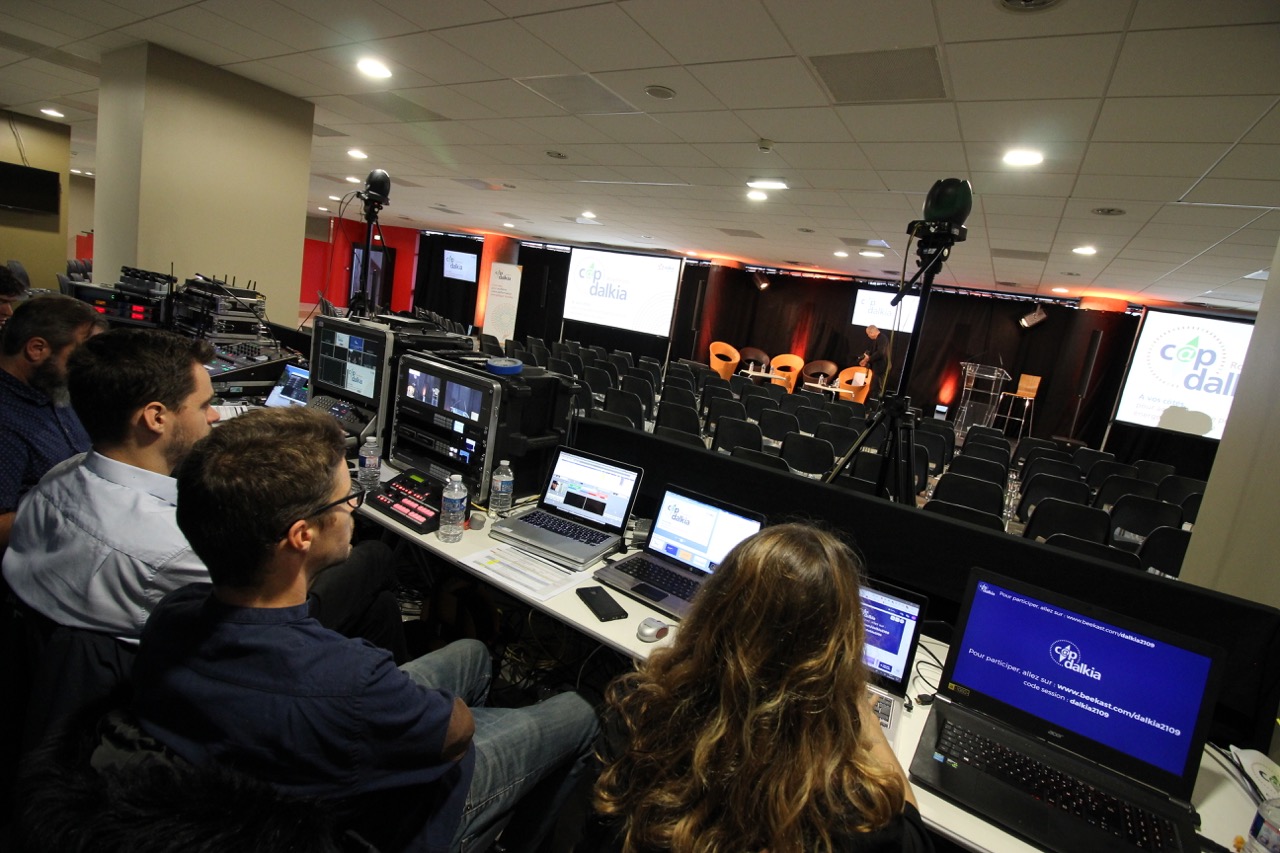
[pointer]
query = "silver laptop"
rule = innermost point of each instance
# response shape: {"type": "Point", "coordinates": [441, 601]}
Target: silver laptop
{"type": "Point", "coordinates": [582, 513]}
{"type": "Point", "coordinates": [892, 617]}
{"type": "Point", "coordinates": [1072, 726]}
{"type": "Point", "coordinates": [291, 389]}
{"type": "Point", "coordinates": [690, 536]}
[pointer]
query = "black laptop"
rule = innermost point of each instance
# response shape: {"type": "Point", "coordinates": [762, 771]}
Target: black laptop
{"type": "Point", "coordinates": [1072, 726]}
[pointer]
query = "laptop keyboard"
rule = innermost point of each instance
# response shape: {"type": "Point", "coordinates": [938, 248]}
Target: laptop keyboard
{"type": "Point", "coordinates": [1141, 828]}
{"type": "Point", "coordinates": [660, 576]}
{"type": "Point", "coordinates": [547, 521]}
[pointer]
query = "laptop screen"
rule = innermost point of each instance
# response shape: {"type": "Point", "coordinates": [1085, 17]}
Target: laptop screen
{"type": "Point", "coordinates": [1104, 677]}
{"type": "Point", "coordinates": [696, 533]}
{"type": "Point", "coordinates": [291, 388]}
{"type": "Point", "coordinates": [591, 488]}
{"type": "Point", "coordinates": [892, 623]}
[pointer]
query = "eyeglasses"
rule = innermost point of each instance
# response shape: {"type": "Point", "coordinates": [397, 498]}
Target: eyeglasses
{"type": "Point", "coordinates": [353, 500]}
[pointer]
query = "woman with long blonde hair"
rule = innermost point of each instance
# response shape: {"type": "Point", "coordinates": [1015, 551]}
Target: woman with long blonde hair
{"type": "Point", "coordinates": [753, 731]}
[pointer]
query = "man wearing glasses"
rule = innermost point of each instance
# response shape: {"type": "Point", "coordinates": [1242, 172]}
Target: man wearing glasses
{"type": "Point", "coordinates": [239, 673]}
{"type": "Point", "coordinates": [96, 544]}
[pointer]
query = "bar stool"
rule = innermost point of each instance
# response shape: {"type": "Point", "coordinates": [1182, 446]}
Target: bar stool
{"type": "Point", "coordinates": [1028, 385]}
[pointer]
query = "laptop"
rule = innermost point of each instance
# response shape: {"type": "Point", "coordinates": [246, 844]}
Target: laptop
{"type": "Point", "coordinates": [581, 514]}
{"type": "Point", "coordinates": [689, 537]}
{"type": "Point", "coordinates": [892, 617]}
{"type": "Point", "coordinates": [291, 389]}
{"type": "Point", "coordinates": [1069, 725]}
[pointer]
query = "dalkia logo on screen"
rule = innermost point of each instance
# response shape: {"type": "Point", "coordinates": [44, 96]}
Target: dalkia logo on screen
{"type": "Point", "coordinates": [603, 289]}
{"type": "Point", "coordinates": [1066, 654]}
{"type": "Point", "coordinates": [1195, 363]}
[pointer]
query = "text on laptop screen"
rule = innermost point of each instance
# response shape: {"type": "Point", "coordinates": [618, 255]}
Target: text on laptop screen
{"type": "Point", "coordinates": [697, 534]}
{"type": "Point", "coordinates": [1098, 680]}
{"type": "Point", "coordinates": [596, 491]}
{"type": "Point", "coordinates": [291, 389]}
{"type": "Point", "coordinates": [890, 623]}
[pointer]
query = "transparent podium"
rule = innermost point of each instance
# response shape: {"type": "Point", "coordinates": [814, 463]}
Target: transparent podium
{"type": "Point", "coordinates": [981, 394]}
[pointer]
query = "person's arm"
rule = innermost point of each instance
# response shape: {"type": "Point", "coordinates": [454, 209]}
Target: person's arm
{"type": "Point", "coordinates": [880, 749]}
{"type": "Point", "coordinates": [462, 727]}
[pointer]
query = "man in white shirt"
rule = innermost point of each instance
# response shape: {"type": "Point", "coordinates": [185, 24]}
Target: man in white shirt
{"type": "Point", "coordinates": [96, 544]}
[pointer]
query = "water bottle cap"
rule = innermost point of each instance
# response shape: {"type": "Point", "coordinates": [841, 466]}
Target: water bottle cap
{"type": "Point", "coordinates": [456, 477]}
{"type": "Point", "coordinates": [503, 463]}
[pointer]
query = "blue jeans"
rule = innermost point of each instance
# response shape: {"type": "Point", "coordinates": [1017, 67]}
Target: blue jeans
{"type": "Point", "coordinates": [528, 760]}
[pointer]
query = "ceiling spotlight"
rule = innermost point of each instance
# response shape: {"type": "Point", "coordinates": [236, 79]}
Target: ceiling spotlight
{"type": "Point", "coordinates": [88, 174]}
{"type": "Point", "coordinates": [373, 68]}
{"type": "Point", "coordinates": [352, 179]}
{"type": "Point", "coordinates": [335, 198]}
{"type": "Point", "coordinates": [50, 111]}
{"type": "Point", "coordinates": [325, 209]}
{"type": "Point", "coordinates": [357, 154]}
{"type": "Point", "coordinates": [508, 225]}
{"type": "Point", "coordinates": [767, 184]}
{"type": "Point", "coordinates": [691, 254]}
{"type": "Point", "coordinates": [1061, 290]}
{"type": "Point", "coordinates": [1085, 250]}
{"type": "Point", "coordinates": [1035, 317]}
{"type": "Point", "coordinates": [841, 254]}
{"type": "Point", "coordinates": [758, 195]}
{"type": "Point", "coordinates": [868, 253]}
{"type": "Point", "coordinates": [586, 214]}
{"type": "Point", "coordinates": [761, 281]}
{"type": "Point", "coordinates": [1023, 157]}
{"type": "Point", "coordinates": [75, 171]}
{"type": "Point", "coordinates": [662, 93]}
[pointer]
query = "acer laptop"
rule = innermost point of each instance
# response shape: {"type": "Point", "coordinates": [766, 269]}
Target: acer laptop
{"type": "Point", "coordinates": [581, 514]}
{"type": "Point", "coordinates": [1072, 726]}
{"type": "Point", "coordinates": [892, 617]}
{"type": "Point", "coordinates": [690, 536]}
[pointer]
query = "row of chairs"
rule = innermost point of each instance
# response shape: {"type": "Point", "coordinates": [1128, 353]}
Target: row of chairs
{"type": "Point", "coordinates": [791, 371]}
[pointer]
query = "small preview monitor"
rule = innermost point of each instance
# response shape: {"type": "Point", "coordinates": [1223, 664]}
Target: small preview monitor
{"type": "Point", "coordinates": [347, 360]}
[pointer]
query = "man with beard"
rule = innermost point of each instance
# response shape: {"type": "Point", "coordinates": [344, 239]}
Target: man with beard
{"type": "Point", "coordinates": [37, 427]}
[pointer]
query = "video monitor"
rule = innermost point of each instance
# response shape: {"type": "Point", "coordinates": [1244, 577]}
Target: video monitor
{"type": "Point", "coordinates": [347, 360]}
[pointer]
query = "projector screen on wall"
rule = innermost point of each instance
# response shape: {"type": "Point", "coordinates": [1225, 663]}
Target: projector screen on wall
{"type": "Point", "coordinates": [1183, 373]}
{"type": "Point", "coordinates": [633, 292]}
{"type": "Point", "coordinates": [872, 308]}
{"type": "Point", "coordinates": [460, 265]}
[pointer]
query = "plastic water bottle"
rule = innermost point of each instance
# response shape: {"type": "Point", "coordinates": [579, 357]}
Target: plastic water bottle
{"type": "Point", "coordinates": [501, 489]}
{"type": "Point", "coordinates": [453, 513]}
{"type": "Point", "coordinates": [370, 464]}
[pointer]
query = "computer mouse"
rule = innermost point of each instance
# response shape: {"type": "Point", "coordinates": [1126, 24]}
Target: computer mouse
{"type": "Point", "coordinates": [652, 629]}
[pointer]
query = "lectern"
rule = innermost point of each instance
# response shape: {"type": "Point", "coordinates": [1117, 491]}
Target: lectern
{"type": "Point", "coordinates": [981, 393]}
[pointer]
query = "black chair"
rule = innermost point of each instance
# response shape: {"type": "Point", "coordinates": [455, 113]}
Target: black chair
{"type": "Point", "coordinates": [598, 379]}
{"type": "Point", "coordinates": [722, 407]}
{"type": "Point", "coordinates": [809, 418]}
{"type": "Point", "coordinates": [920, 468]}
{"type": "Point", "coordinates": [981, 495]}
{"type": "Point", "coordinates": [775, 391]}
{"type": "Point", "coordinates": [679, 380]}
{"type": "Point", "coordinates": [1054, 515]}
{"type": "Point", "coordinates": [749, 390]}
{"type": "Point", "coordinates": [651, 370]}
{"type": "Point", "coordinates": [1191, 507]}
{"type": "Point", "coordinates": [600, 352]}
{"type": "Point", "coordinates": [1084, 457]}
{"type": "Point", "coordinates": [998, 453]}
{"type": "Point", "coordinates": [1104, 468]}
{"type": "Point", "coordinates": [739, 383]}
{"type": "Point", "coordinates": [540, 355]}
{"type": "Point", "coordinates": [935, 446]}
{"type": "Point", "coordinates": [622, 365]}
{"type": "Point", "coordinates": [558, 365]}
{"type": "Point", "coordinates": [775, 424]}
{"type": "Point", "coordinates": [839, 414]}
{"type": "Point", "coordinates": [1152, 471]}
{"type": "Point", "coordinates": [1117, 485]}
{"type": "Point", "coordinates": [598, 414]}
{"type": "Point", "coordinates": [575, 361]}
{"type": "Point", "coordinates": [625, 356]}
{"type": "Point", "coordinates": [983, 469]}
{"type": "Point", "coordinates": [1026, 444]}
{"type": "Point", "coordinates": [1164, 550]}
{"type": "Point", "coordinates": [679, 435]}
{"type": "Point", "coordinates": [626, 404]}
{"type": "Point", "coordinates": [807, 455]}
{"type": "Point", "coordinates": [857, 410]}
{"type": "Point", "coordinates": [757, 403]}
{"type": "Point", "coordinates": [1057, 468]}
{"type": "Point", "coordinates": [814, 398]}
{"type": "Point", "coordinates": [677, 394]}
{"type": "Point", "coordinates": [677, 416]}
{"type": "Point", "coordinates": [1043, 486]}
{"type": "Point", "coordinates": [1176, 487]}
{"type": "Point", "coordinates": [733, 432]}
{"type": "Point", "coordinates": [714, 392]}
{"type": "Point", "coordinates": [1134, 517]}
{"type": "Point", "coordinates": [530, 340]}
{"type": "Point", "coordinates": [643, 389]}
{"type": "Point", "coordinates": [944, 429]}
{"type": "Point", "coordinates": [877, 435]}
{"type": "Point", "coordinates": [790, 402]}
{"type": "Point", "coordinates": [965, 513]}
{"type": "Point", "coordinates": [1042, 452]}
{"type": "Point", "coordinates": [759, 457]}
{"type": "Point", "coordinates": [1098, 550]}
{"type": "Point", "coordinates": [986, 435]}
{"type": "Point", "coordinates": [841, 437]}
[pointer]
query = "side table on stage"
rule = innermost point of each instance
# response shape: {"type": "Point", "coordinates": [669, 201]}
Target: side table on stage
{"type": "Point", "coordinates": [982, 383]}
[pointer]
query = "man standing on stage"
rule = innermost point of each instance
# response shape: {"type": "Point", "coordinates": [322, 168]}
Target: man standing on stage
{"type": "Point", "coordinates": [876, 358]}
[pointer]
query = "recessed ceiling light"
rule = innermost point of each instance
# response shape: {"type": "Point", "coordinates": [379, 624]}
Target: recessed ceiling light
{"type": "Point", "coordinates": [89, 174]}
{"type": "Point", "coordinates": [357, 154]}
{"type": "Point", "coordinates": [662, 93]}
{"type": "Point", "coordinates": [325, 209]}
{"type": "Point", "coordinates": [868, 253]}
{"type": "Point", "coordinates": [508, 225]}
{"type": "Point", "coordinates": [373, 68]}
{"type": "Point", "coordinates": [767, 184]}
{"type": "Point", "coordinates": [691, 253]}
{"type": "Point", "coordinates": [335, 198]}
{"type": "Point", "coordinates": [586, 214]}
{"type": "Point", "coordinates": [50, 111]}
{"type": "Point", "coordinates": [1023, 157]}
{"type": "Point", "coordinates": [352, 179]}
{"type": "Point", "coordinates": [1061, 290]}
{"type": "Point", "coordinates": [758, 195]}
{"type": "Point", "coordinates": [75, 171]}
{"type": "Point", "coordinates": [1085, 250]}
{"type": "Point", "coordinates": [842, 254]}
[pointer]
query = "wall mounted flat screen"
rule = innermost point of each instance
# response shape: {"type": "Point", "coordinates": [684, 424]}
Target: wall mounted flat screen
{"type": "Point", "coordinates": [632, 292]}
{"type": "Point", "coordinates": [1183, 373]}
{"type": "Point", "coordinates": [872, 308]}
{"type": "Point", "coordinates": [25, 188]}
{"type": "Point", "coordinates": [460, 265]}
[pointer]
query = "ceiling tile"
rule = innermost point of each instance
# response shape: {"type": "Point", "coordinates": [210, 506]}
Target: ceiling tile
{"type": "Point", "coordinates": [916, 156]}
{"type": "Point", "coordinates": [1223, 191]}
{"type": "Point", "coordinates": [356, 19]}
{"type": "Point", "coordinates": [1206, 62]}
{"type": "Point", "coordinates": [439, 14]}
{"type": "Point", "coordinates": [1165, 159]}
{"type": "Point", "coordinates": [433, 57]}
{"type": "Point", "coordinates": [632, 128]}
{"type": "Point", "coordinates": [510, 50]}
{"type": "Point", "coordinates": [980, 71]}
{"type": "Point", "coordinates": [508, 98]}
{"type": "Point", "coordinates": [1138, 188]}
{"type": "Point", "coordinates": [1017, 123]}
{"type": "Point", "coordinates": [984, 21]}
{"type": "Point", "coordinates": [709, 30]}
{"type": "Point", "coordinates": [761, 83]}
{"type": "Point", "coordinates": [901, 122]}
{"type": "Point", "coordinates": [835, 26]}
{"type": "Point", "coordinates": [284, 24]}
{"type": "Point", "coordinates": [180, 41]}
{"type": "Point", "coordinates": [598, 38]}
{"type": "Point", "coordinates": [719, 126]}
{"type": "Point", "coordinates": [811, 124]}
{"type": "Point", "coordinates": [1250, 162]}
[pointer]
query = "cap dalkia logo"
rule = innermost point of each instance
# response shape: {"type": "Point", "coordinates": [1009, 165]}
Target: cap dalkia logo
{"type": "Point", "coordinates": [1193, 359]}
{"type": "Point", "coordinates": [1066, 654]}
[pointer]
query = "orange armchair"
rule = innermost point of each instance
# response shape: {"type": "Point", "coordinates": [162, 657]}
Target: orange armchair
{"type": "Point", "coordinates": [724, 359]}
{"type": "Point", "coordinates": [848, 382]}
{"type": "Point", "coordinates": [788, 365]}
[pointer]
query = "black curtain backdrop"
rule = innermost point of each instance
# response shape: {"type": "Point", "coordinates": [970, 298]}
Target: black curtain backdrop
{"type": "Point", "coordinates": [449, 297]}
{"type": "Point", "coordinates": [544, 276]}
